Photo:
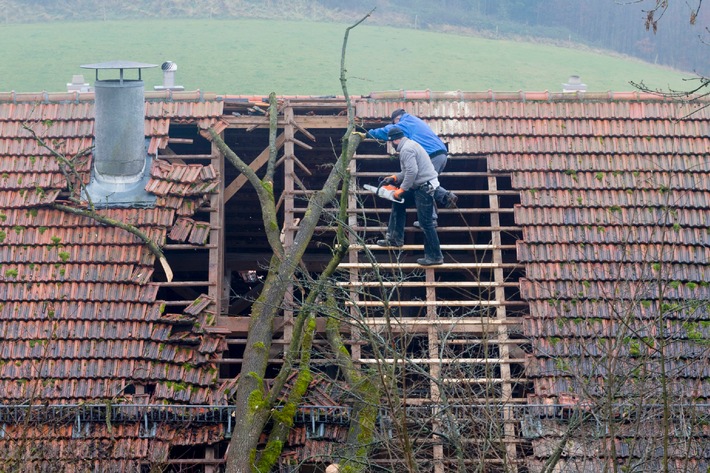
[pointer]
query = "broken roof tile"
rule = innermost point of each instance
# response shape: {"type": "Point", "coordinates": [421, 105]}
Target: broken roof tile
{"type": "Point", "coordinates": [200, 233]}
{"type": "Point", "coordinates": [181, 229]}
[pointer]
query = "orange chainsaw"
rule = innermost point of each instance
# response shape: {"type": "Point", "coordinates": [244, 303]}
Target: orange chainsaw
{"type": "Point", "coordinates": [384, 191]}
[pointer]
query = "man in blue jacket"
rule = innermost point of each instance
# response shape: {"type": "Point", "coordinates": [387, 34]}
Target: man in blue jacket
{"type": "Point", "coordinates": [416, 129]}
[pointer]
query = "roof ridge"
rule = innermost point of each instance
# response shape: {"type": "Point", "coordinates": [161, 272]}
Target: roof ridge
{"type": "Point", "coordinates": [76, 96]}
{"type": "Point", "coordinates": [401, 94]}
{"type": "Point", "coordinates": [524, 96]}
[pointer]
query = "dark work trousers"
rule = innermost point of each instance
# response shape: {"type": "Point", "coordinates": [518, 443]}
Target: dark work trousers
{"type": "Point", "coordinates": [440, 193]}
{"type": "Point", "coordinates": [423, 199]}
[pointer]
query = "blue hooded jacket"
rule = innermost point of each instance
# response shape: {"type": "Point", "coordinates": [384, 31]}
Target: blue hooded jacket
{"type": "Point", "coordinates": [415, 129]}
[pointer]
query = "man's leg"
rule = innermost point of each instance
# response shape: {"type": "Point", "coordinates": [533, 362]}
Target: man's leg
{"type": "Point", "coordinates": [439, 163]}
{"type": "Point", "coordinates": [432, 248]}
{"type": "Point", "coordinates": [398, 216]}
{"type": "Point", "coordinates": [442, 196]}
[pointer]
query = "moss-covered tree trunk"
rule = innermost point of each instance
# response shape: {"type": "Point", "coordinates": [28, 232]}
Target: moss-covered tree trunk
{"type": "Point", "coordinates": [255, 406]}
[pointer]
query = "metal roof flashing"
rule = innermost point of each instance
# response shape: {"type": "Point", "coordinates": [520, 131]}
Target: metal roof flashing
{"type": "Point", "coordinates": [106, 192]}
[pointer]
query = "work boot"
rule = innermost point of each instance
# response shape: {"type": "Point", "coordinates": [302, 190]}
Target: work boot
{"type": "Point", "coordinates": [429, 262]}
{"type": "Point", "coordinates": [387, 242]}
{"type": "Point", "coordinates": [416, 224]}
{"type": "Point", "coordinates": [451, 200]}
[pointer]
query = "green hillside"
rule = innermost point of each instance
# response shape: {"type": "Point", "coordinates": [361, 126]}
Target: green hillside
{"type": "Point", "coordinates": [259, 56]}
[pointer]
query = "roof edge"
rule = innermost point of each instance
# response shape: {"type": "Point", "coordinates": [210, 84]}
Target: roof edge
{"type": "Point", "coordinates": [77, 97]}
{"type": "Point", "coordinates": [491, 95]}
{"type": "Point", "coordinates": [398, 95]}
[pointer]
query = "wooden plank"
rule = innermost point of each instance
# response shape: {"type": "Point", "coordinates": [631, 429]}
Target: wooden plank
{"type": "Point", "coordinates": [304, 121]}
{"type": "Point", "coordinates": [186, 157]}
{"type": "Point", "coordinates": [176, 303]}
{"type": "Point", "coordinates": [458, 192]}
{"type": "Point", "coordinates": [482, 380]}
{"type": "Point", "coordinates": [454, 157]}
{"type": "Point", "coordinates": [418, 329]}
{"type": "Point", "coordinates": [440, 266]}
{"type": "Point", "coordinates": [184, 283]}
{"type": "Point", "coordinates": [187, 246]}
{"type": "Point", "coordinates": [383, 229]}
{"type": "Point", "coordinates": [457, 284]}
{"type": "Point", "coordinates": [239, 325]}
{"type": "Point", "coordinates": [467, 322]}
{"type": "Point", "coordinates": [445, 173]}
{"type": "Point", "coordinates": [290, 224]}
{"type": "Point", "coordinates": [300, 143]}
{"type": "Point", "coordinates": [503, 349]}
{"type": "Point", "coordinates": [301, 165]}
{"type": "Point", "coordinates": [429, 303]}
{"type": "Point", "coordinates": [294, 124]}
{"type": "Point", "coordinates": [219, 290]}
{"type": "Point", "coordinates": [471, 247]}
{"type": "Point", "coordinates": [484, 401]}
{"type": "Point", "coordinates": [480, 361]}
{"type": "Point", "coordinates": [413, 210]}
{"type": "Point", "coordinates": [437, 303]}
{"type": "Point", "coordinates": [237, 361]}
{"type": "Point", "coordinates": [256, 164]}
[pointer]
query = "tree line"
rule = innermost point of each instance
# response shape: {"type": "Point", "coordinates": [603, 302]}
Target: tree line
{"type": "Point", "coordinates": [616, 25]}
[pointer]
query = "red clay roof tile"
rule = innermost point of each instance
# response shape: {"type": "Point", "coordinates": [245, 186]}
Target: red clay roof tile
{"type": "Point", "coordinates": [83, 287]}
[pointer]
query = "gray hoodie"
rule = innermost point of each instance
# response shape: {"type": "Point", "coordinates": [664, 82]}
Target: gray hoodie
{"type": "Point", "coordinates": [416, 166]}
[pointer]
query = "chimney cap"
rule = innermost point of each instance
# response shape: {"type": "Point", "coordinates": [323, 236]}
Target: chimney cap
{"type": "Point", "coordinates": [118, 65]}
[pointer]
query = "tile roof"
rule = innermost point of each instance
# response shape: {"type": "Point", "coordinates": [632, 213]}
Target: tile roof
{"type": "Point", "coordinates": [73, 270]}
{"type": "Point", "coordinates": [614, 198]}
{"type": "Point", "coordinates": [79, 319]}
{"type": "Point", "coordinates": [615, 215]}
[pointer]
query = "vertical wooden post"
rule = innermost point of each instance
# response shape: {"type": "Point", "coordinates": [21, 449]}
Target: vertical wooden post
{"type": "Point", "coordinates": [353, 257]}
{"type": "Point", "coordinates": [216, 238]}
{"type": "Point", "coordinates": [434, 368]}
{"type": "Point", "coordinates": [210, 456]}
{"type": "Point", "coordinates": [503, 349]}
{"type": "Point", "coordinates": [289, 229]}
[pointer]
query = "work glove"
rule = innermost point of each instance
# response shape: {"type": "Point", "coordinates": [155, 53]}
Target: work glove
{"type": "Point", "coordinates": [360, 134]}
{"type": "Point", "coordinates": [398, 194]}
{"type": "Point", "coordinates": [388, 180]}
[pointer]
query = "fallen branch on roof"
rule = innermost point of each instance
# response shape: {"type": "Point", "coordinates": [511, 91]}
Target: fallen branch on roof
{"type": "Point", "coordinates": [66, 166]}
{"type": "Point", "coordinates": [152, 246]}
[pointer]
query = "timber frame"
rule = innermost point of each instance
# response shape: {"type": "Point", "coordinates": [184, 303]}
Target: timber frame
{"type": "Point", "coordinates": [467, 311]}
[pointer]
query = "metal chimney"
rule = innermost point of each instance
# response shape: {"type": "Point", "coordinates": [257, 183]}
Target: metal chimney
{"type": "Point", "coordinates": [121, 161]}
{"type": "Point", "coordinates": [169, 68]}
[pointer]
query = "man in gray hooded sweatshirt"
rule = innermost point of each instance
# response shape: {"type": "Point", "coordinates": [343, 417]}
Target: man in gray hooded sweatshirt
{"type": "Point", "coordinates": [417, 182]}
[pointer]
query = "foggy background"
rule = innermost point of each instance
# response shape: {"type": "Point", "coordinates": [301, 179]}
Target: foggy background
{"type": "Point", "coordinates": [614, 25]}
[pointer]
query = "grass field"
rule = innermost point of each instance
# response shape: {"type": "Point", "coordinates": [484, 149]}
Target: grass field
{"type": "Point", "coordinates": [259, 56]}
